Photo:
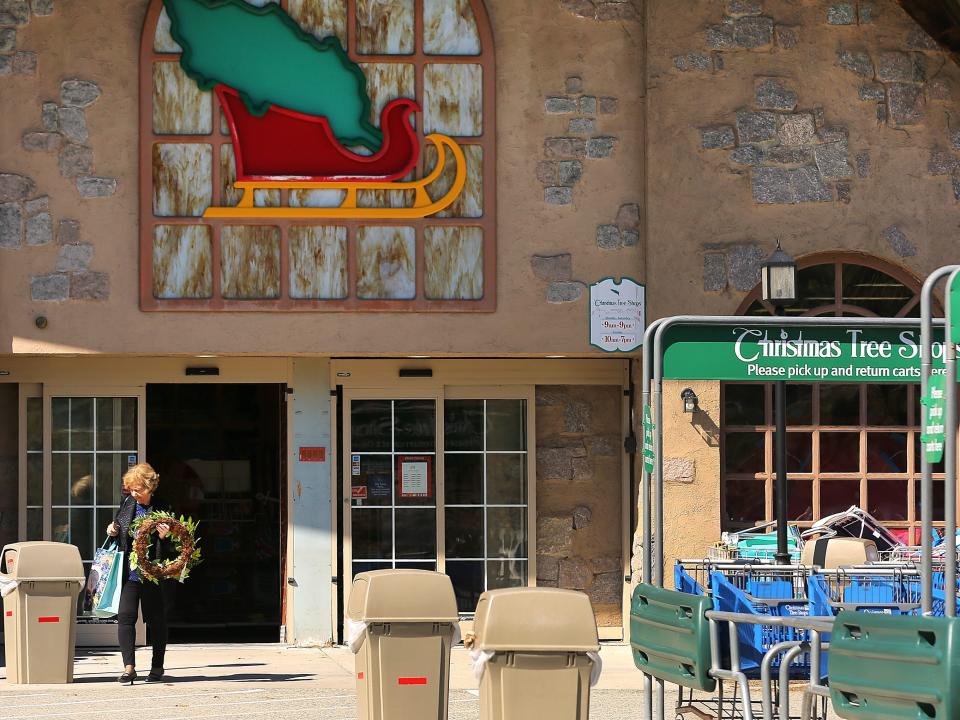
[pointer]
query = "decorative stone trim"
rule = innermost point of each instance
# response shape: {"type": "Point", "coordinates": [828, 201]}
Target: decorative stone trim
{"type": "Point", "coordinates": [14, 15]}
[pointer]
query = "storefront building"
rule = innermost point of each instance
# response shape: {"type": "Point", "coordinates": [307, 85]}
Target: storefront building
{"type": "Point", "coordinates": [335, 377]}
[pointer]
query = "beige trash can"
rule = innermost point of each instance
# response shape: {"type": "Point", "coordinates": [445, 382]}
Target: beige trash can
{"type": "Point", "coordinates": [539, 646]}
{"type": "Point", "coordinates": [402, 624]}
{"type": "Point", "coordinates": [43, 580]}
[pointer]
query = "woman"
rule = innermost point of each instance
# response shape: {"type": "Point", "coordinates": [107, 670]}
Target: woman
{"type": "Point", "coordinates": [141, 482]}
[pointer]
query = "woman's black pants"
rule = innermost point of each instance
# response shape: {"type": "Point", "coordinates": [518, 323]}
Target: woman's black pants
{"type": "Point", "coordinates": [153, 600]}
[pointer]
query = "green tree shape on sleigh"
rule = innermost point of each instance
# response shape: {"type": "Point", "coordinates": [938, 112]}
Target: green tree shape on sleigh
{"type": "Point", "coordinates": [295, 107]}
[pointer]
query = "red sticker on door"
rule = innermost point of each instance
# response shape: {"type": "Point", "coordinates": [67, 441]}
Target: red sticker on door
{"type": "Point", "coordinates": [358, 492]}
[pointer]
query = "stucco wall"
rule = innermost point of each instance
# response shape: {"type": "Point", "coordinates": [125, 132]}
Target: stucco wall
{"type": "Point", "coordinates": [539, 45]}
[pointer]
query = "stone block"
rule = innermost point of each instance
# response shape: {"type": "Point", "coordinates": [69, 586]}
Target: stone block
{"type": "Point", "coordinates": [75, 160]}
{"type": "Point", "coordinates": [573, 84]}
{"type": "Point", "coordinates": [899, 242]}
{"type": "Point", "coordinates": [581, 126]}
{"type": "Point", "coordinates": [552, 267]}
{"type": "Point", "coordinates": [8, 39]}
{"type": "Point", "coordinates": [588, 105]}
{"type": "Point", "coordinates": [938, 89]}
{"type": "Point", "coordinates": [863, 164]}
{"type": "Point", "coordinates": [554, 535]}
{"type": "Point", "coordinates": [575, 574]}
{"type": "Point", "coordinates": [74, 258]}
{"type": "Point", "coordinates": [771, 94]}
{"type": "Point", "coordinates": [872, 91]}
{"type": "Point", "coordinates": [41, 141]}
{"type": "Point", "coordinates": [607, 589]}
{"type": "Point", "coordinates": [582, 517]}
{"type": "Point", "coordinates": [564, 292]}
{"type": "Point", "coordinates": [693, 61]}
{"type": "Point", "coordinates": [747, 155]}
{"type": "Point", "coordinates": [25, 63]}
{"type": "Point", "coordinates": [41, 7]}
{"type": "Point", "coordinates": [739, 8]}
{"type": "Point", "coordinates": [714, 272]}
{"type": "Point", "coordinates": [856, 61]}
{"type": "Point", "coordinates": [78, 93]}
{"type": "Point", "coordinates": [547, 172]}
{"type": "Point", "coordinates": [819, 118]}
{"type": "Point", "coordinates": [603, 445]}
{"type": "Point", "coordinates": [564, 147]}
{"type": "Point", "coordinates": [616, 11]}
{"type": "Point", "coordinates": [753, 32]}
{"type": "Point", "coordinates": [94, 187]}
{"type": "Point", "coordinates": [39, 229]}
{"type": "Point", "coordinates": [743, 263]}
{"type": "Point", "coordinates": [942, 162]}
{"type": "Point", "coordinates": [720, 37]}
{"type": "Point", "coordinates": [580, 8]}
{"type": "Point", "coordinates": [844, 13]}
{"type": "Point", "coordinates": [833, 160]}
{"type": "Point", "coordinates": [756, 126]}
{"type": "Point", "coordinates": [601, 146]}
{"type": "Point", "coordinates": [608, 105]}
{"type": "Point", "coordinates": [797, 129]}
{"type": "Point", "coordinates": [576, 417]}
{"type": "Point", "coordinates": [715, 137]}
{"type": "Point", "coordinates": [788, 186]}
{"type": "Point", "coordinates": [89, 285]}
{"type": "Point", "coordinates": [881, 113]}
{"type": "Point", "coordinates": [73, 124]}
{"type": "Point", "coordinates": [628, 216]}
{"type": "Point", "coordinates": [631, 238]}
{"type": "Point", "coordinates": [549, 396]}
{"type": "Point", "coordinates": [16, 12]}
{"type": "Point", "coordinates": [48, 117]}
{"type": "Point", "coordinates": [919, 39]}
{"type": "Point", "coordinates": [554, 463]}
{"type": "Point", "coordinates": [558, 195]}
{"type": "Point", "coordinates": [609, 237]}
{"type": "Point", "coordinates": [559, 105]}
{"type": "Point", "coordinates": [866, 12]}
{"type": "Point", "coordinates": [548, 568]}
{"type": "Point", "coordinates": [679, 470]}
{"type": "Point", "coordinates": [906, 104]}
{"type": "Point", "coordinates": [11, 225]}
{"type": "Point", "coordinates": [6, 64]}
{"type": "Point", "coordinates": [786, 155]}
{"type": "Point", "coordinates": [786, 37]}
{"type": "Point", "coordinates": [582, 470]}
{"type": "Point", "coordinates": [16, 187]}
{"type": "Point", "coordinates": [606, 564]}
{"type": "Point", "coordinates": [956, 187]}
{"type": "Point", "coordinates": [68, 232]}
{"type": "Point", "coordinates": [843, 193]}
{"type": "Point", "coordinates": [570, 172]}
{"type": "Point", "coordinates": [894, 66]}
{"type": "Point", "coordinates": [39, 204]}
{"type": "Point", "coordinates": [50, 287]}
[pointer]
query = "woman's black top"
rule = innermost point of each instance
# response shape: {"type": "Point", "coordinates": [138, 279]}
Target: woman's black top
{"type": "Point", "coordinates": [124, 518]}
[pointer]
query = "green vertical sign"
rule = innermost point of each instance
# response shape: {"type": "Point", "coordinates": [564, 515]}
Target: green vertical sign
{"type": "Point", "coordinates": [931, 434]}
{"type": "Point", "coordinates": [648, 453]}
{"type": "Point", "coordinates": [953, 300]}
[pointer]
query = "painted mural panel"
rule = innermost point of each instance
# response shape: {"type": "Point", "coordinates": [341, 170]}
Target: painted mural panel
{"type": "Point", "coordinates": [321, 18]}
{"type": "Point", "coordinates": [454, 263]}
{"type": "Point", "coordinates": [387, 263]}
{"type": "Point", "coordinates": [250, 261]}
{"type": "Point", "coordinates": [449, 28]}
{"type": "Point", "coordinates": [470, 202]}
{"type": "Point", "coordinates": [388, 81]}
{"type": "Point", "coordinates": [182, 256]}
{"type": "Point", "coordinates": [230, 195]}
{"type": "Point", "coordinates": [385, 27]}
{"type": "Point", "coordinates": [182, 179]}
{"type": "Point", "coordinates": [318, 262]}
{"type": "Point", "coordinates": [453, 99]}
{"type": "Point", "coordinates": [316, 198]}
{"type": "Point", "coordinates": [163, 41]}
{"type": "Point", "coordinates": [179, 107]}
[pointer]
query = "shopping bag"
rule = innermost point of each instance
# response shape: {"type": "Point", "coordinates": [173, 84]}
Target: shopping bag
{"type": "Point", "coordinates": [105, 581]}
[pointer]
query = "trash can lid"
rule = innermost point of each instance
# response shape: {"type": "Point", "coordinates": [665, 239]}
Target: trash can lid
{"type": "Point", "coordinates": [42, 559]}
{"type": "Point", "coordinates": [535, 620]}
{"type": "Point", "coordinates": [402, 596]}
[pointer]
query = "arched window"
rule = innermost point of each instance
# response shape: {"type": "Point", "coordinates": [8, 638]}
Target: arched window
{"type": "Point", "coordinates": [438, 53]}
{"type": "Point", "coordinates": [847, 444]}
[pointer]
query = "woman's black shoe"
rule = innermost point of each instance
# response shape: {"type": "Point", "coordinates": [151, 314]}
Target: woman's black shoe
{"type": "Point", "coordinates": [127, 678]}
{"type": "Point", "coordinates": [156, 675]}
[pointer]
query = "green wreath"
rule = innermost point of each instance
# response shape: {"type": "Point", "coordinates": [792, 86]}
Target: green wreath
{"type": "Point", "coordinates": [183, 534]}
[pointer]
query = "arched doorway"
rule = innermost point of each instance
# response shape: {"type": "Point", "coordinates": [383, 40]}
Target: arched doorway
{"type": "Point", "coordinates": [847, 444]}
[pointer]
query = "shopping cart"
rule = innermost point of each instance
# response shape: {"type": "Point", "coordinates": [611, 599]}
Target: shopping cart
{"type": "Point", "coordinates": [885, 589]}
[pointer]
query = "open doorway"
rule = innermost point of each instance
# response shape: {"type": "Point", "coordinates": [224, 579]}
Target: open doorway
{"type": "Point", "coordinates": [219, 450]}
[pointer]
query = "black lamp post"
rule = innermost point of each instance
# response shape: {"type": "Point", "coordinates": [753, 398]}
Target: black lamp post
{"type": "Point", "coordinates": [779, 287]}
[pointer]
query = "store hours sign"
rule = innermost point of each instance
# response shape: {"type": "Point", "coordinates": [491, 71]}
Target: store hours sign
{"type": "Point", "coordinates": [617, 314]}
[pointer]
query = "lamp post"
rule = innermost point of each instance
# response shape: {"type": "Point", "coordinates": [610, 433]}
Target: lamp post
{"type": "Point", "coordinates": [779, 287]}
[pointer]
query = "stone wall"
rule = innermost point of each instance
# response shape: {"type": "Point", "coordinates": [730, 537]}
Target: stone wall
{"type": "Point", "coordinates": [9, 482]}
{"type": "Point", "coordinates": [579, 446]}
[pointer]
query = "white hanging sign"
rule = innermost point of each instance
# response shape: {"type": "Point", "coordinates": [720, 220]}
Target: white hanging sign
{"type": "Point", "coordinates": [617, 314]}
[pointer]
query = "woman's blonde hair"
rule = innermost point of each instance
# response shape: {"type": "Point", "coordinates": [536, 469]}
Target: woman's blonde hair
{"type": "Point", "coordinates": [143, 475]}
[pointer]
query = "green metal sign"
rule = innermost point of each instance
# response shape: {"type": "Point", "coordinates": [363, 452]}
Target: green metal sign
{"type": "Point", "coordinates": [825, 353]}
{"type": "Point", "coordinates": [953, 300]}
{"type": "Point", "coordinates": [933, 416]}
{"type": "Point", "coordinates": [648, 453]}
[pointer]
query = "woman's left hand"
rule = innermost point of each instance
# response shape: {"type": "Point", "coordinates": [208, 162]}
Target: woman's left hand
{"type": "Point", "coordinates": [162, 530]}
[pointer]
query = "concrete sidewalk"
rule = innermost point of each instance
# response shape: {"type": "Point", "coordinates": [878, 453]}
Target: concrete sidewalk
{"type": "Point", "coordinates": [263, 681]}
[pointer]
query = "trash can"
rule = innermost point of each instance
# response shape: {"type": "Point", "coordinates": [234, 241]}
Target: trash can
{"type": "Point", "coordinates": [40, 582]}
{"type": "Point", "coordinates": [537, 652]}
{"type": "Point", "coordinates": [401, 624]}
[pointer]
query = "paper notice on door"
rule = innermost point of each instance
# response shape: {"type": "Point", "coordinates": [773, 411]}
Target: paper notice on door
{"type": "Point", "coordinates": [414, 478]}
